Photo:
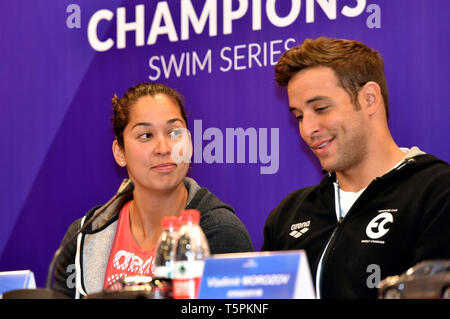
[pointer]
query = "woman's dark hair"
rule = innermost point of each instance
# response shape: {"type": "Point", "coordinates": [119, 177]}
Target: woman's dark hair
{"type": "Point", "coordinates": [122, 106]}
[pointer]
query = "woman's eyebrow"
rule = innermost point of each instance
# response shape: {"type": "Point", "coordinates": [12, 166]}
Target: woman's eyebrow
{"type": "Point", "coordinates": [142, 124]}
{"type": "Point", "coordinates": [171, 121]}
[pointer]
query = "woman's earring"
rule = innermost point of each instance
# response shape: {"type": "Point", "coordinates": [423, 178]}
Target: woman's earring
{"type": "Point", "coordinates": [123, 163]}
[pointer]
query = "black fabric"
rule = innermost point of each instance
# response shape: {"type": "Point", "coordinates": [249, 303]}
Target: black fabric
{"type": "Point", "coordinates": [417, 195]}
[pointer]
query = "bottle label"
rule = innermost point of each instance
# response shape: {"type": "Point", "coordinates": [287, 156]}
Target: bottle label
{"type": "Point", "coordinates": [163, 272]}
{"type": "Point", "coordinates": [186, 283]}
{"type": "Point", "coordinates": [186, 288]}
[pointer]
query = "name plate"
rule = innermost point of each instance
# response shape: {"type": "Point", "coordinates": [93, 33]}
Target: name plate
{"type": "Point", "coordinates": [18, 279]}
{"type": "Point", "coordinates": [262, 275]}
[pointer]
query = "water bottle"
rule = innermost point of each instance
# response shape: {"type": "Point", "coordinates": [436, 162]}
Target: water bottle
{"type": "Point", "coordinates": [190, 252]}
{"type": "Point", "coordinates": [165, 248]}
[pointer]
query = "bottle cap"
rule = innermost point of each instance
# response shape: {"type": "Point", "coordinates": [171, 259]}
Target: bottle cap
{"type": "Point", "coordinates": [170, 222]}
{"type": "Point", "coordinates": [190, 216]}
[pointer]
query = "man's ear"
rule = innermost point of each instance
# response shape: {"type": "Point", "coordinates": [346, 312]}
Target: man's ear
{"type": "Point", "coordinates": [118, 153]}
{"type": "Point", "coordinates": [370, 98]}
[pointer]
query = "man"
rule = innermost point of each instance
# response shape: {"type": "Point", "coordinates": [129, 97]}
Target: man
{"type": "Point", "coordinates": [380, 209]}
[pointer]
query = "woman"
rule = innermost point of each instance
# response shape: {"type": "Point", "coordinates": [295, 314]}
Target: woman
{"type": "Point", "coordinates": [150, 127]}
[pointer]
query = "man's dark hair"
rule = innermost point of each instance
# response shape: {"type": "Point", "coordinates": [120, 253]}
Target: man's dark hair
{"type": "Point", "coordinates": [353, 62]}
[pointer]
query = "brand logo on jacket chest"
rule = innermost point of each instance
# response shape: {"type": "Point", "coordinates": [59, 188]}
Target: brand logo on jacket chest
{"type": "Point", "coordinates": [299, 229]}
{"type": "Point", "coordinates": [379, 226]}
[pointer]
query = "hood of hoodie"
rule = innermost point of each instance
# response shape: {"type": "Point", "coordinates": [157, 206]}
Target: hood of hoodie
{"type": "Point", "coordinates": [413, 152]}
{"type": "Point", "coordinates": [414, 159]}
{"type": "Point", "coordinates": [199, 198]}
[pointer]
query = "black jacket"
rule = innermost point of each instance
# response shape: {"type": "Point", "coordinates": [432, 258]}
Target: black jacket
{"type": "Point", "coordinates": [415, 196]}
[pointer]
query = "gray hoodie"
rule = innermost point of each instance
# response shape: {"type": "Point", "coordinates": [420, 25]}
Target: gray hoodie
{"type": "Point", "coordinates": [80, 269]}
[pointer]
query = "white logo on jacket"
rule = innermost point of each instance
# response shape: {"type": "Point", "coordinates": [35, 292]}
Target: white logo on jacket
{"type": "Point", "coordinates": [299, 229]}
{"type": "Point", "coordinates": [377, 226]}
{"type": "Point", "coordinates": [375, 229]}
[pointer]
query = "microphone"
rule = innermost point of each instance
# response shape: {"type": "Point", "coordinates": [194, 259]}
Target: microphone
{"type": "Point", "coordinates": [126, 187]}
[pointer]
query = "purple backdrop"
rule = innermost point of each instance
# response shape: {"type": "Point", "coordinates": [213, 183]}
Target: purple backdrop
{"type": "Point", "coordinates": [56, 90]}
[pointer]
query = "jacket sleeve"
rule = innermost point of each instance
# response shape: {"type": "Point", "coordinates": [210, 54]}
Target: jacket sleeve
{"type": "Point", "coordinates": [277, 219]}
{"type": "Point", "coordinates": [64, 274]}
{"type": "Point", "coordinates": [225, 232]}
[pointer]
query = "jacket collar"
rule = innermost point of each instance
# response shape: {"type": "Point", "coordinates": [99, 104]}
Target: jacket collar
{"type": "Point", "coordinates": [411, 156]}
{"type": "Point", "coordinates": [111, 213]}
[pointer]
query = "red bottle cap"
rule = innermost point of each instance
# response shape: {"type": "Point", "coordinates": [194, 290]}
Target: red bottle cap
{"type": "Point", "coordinates": [190, 216]}
{"type": "Point", "coordinates": [170, 222]}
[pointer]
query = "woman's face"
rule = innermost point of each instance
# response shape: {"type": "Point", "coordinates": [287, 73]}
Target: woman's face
{"type": "Point", "coordinates": [152, 140]}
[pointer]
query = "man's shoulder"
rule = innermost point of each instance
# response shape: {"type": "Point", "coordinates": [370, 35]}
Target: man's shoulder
{"type": "Point", "coordinates": [431, 168]}
{"type": "Point", "coordinates": [432, 178]}
{"type": "Point", "coordinates": [299, 194]}
{"type": "Point", "coordinates": [432, 160]}
{"type": "Point", "coordinates": [303, 196]}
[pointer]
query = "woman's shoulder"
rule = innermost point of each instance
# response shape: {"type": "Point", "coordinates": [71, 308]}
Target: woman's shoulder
{"type": "Point", "coordinates": [226, 233]}
{"type": "Point", "coordinates": [208, 203]}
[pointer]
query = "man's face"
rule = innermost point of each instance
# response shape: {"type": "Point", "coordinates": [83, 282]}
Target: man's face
{"type": "Point", "coordinates": [328, 121]}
